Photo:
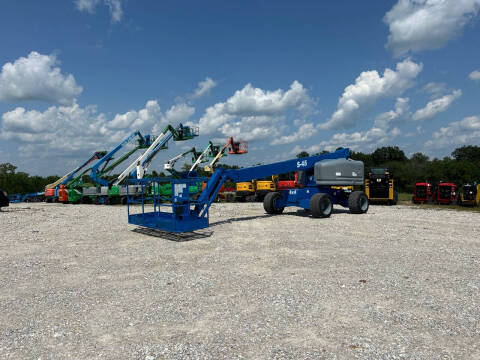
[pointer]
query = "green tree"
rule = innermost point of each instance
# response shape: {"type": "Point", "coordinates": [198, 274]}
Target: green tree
{"type": "Point", "coordinates": [303, 154]}
{"type": "Point", "coordinates": [469, 153]}
{"type": "Point", "coordinates": [386, 154]}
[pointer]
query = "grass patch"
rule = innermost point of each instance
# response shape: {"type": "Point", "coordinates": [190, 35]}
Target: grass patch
{"type": "Point", "coordinates": [403, 197]}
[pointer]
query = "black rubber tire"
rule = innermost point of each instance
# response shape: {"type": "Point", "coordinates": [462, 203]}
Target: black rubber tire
{"type": "Point", "coordinates": [358, 202]}
{"type": "Point", "coordinates": [241, 199]}
{"type": "Point", "coordinates": [395, 199]}
{"type": "Point", "coordinates": [321, 205]}
{"type": "Point", "coordinates": [269, 203]}
{"type": "Point", "coordinates": [123, 200]}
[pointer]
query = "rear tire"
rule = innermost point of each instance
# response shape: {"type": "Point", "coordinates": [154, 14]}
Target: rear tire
{"type": "Point", "coordinates": [269, 203]}
{"type": "Point", "coordinates": [358, 202]}
{"type": "Point", "coordinates": [321, 205]}
{"type": "Point", "coordinates": [394, 201]}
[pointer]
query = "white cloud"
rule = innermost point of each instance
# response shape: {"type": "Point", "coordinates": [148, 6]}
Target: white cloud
{"type": "Point", "coordinates": [464, 132]}
{"type": "Point", "coordinates": [87, 5]}
{"type": "Point", "coordinates": [369, 87]}
{"type": "Point", "coordinates": [253, 113]}
{"type": "Point", "coordinates": [114, 6]}
{"type": "Point", "coordinates": [475, 75]}
{"type": "Point", "coordinates": [73, 129]}
{"type": "Point", "coordinates": [434, 89]}
{"type": "Point", "coordinates": [203, 88]}
{"type": "Point", "coordinates": [146, 117]}
{"type": "Point", "coordinates": [386, 119]}
{"type": "Point", "coordinates": [57, 127]}
{"type": "Point", "coordinates": [304, 132]}
{"type": "Point", "coordinates": [179, 113]}
{"type": "Point", "coordinates": [436, 106]}
{"type": "Point", "coordinates": [417, 25]}
{"type": "Point", "coordinates": [37, 77]}
{"type": "Point", "coordinates": [360, 140]}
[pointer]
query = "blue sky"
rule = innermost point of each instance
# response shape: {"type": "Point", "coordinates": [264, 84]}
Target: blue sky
{"type": "Point", "coordinates": [77, 76]}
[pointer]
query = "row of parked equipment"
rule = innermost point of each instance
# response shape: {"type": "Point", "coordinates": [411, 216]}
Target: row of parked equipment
{"type": "Point", "coordinates": [447, 193]}
{"type": "Point", "coordinates": [379, 188]}
{"type": "Point", "coordinates": [102, 189]}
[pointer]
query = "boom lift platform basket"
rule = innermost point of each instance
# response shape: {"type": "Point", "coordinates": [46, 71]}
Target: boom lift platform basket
{"type": "Point", "coordinates": [169, 212]}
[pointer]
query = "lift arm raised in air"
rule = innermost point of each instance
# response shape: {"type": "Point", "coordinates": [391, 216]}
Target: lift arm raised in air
{"type": "Point", "coordinates": [234, 147]}
{"type": "Point", "coordinates": [96, 172]}
{"type": "Point", "coordinates": [69, 176]}
{"type": "Point", "coordinates": [198, 158]}
{"type": "Point", "coordinates": [139, 167]}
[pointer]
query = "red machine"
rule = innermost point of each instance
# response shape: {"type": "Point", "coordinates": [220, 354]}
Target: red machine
{"type": "Point", "coordinates": [446, 193]}
{"type": "Point", "coordinates": [288, 184]}
{"type": "Point", "coordinates": [51, 195]}
{"type": "Point", "coordinates": [63, 194]}
{"type": "Point", "coordinates": [423, 193]}
{"type": "Point", "coordinates": [237, 147]}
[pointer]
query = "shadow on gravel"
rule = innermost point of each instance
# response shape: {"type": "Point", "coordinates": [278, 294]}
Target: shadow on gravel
{"type": "Point", "coordinates": [11, 210]}
{"type": "Point", "coordinates": [245, 218]}
{"type": "Point", "coordinates": [306, 213]}
{"type": "Point", "coordinates": [178, 237]}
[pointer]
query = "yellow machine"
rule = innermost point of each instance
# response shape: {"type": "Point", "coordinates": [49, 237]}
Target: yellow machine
{"type": "Point", "coordinates": [244, 190]}
{"type": "Point", "coordinates": [469, 195]}
{"type": "Point", "coordinates": [263, 187]}
{"type": "Point", "coordinates": [379, 186]}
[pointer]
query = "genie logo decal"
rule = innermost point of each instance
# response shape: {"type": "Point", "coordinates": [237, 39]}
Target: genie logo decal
{"type": "Point", "coordinates": [302, 164]}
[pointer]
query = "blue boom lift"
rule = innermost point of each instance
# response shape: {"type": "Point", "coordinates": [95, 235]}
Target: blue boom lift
{"type": "Point", "coordinates": [317, 175]}
{"type": "Point", "coordinates": [96, 172]}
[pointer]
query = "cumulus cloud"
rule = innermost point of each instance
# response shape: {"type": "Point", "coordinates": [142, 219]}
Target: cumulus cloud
{"type": "Point", "coordinates": [386, 119]}
{"type": "Point", "coordinates": [458, 133]}
{"type": "Point", "coordinates": [203, 88]}
{"type": "Point", "coordinates": [475, 75]}
{"type": "Point", "coordinates": [57, 127]}
{"type": "Point", "coordinates": [72, 128]}
{"type": "Point", "coordinates": [417, 25]}
{"type": "Point", "coordinates": [37, 77]}
{"type": "Point", "coordinates": [369, 87]}
{"type": "Point", "coordinates": [360, 140]}
{"type": "Point", "coordinates": [253, 113]}
{"type": "Point", "coordinates": [137, 119]}
{"type": "Point", "coordinates": [434, 89]}
{"type": "Point", "coordinates": [304, 132]}
{"type": "Point", "coordinates": [114, 6]}
{"type": "Point", "coordinates": [436, 106]}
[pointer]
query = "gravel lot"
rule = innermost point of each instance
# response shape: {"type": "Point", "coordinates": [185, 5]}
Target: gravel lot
{"type": "Point", "coordinates": [397, 283]}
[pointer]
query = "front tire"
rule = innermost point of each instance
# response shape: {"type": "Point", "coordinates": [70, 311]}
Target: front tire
{"type": "Point", "coordinates": [270, 203]}
{"type": "Point", "coordinates": [358, 202]}
{"type": "Point", "coordinates": [321, 205]}
{"type": "Point", "coordinates": [394, 201]}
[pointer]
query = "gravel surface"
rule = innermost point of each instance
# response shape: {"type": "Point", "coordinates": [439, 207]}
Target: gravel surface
{"type": "Point", "coordinates": [76, 281]}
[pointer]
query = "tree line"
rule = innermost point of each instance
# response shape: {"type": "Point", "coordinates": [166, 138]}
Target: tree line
{"type": "Point", "coordinates": [461, 167]}
{"type": "Point", "coordinates": [14, 182]}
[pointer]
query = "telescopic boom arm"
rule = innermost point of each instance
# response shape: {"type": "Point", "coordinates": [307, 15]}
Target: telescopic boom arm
{"type": "Point", "coordinates": [234, 147]}
{"type": "Point", "coordinates": [140, 166]}
{"type": "Point", "coordinates": [96, 172]}
{"type": "Point", "coordinates": [69, 176]}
